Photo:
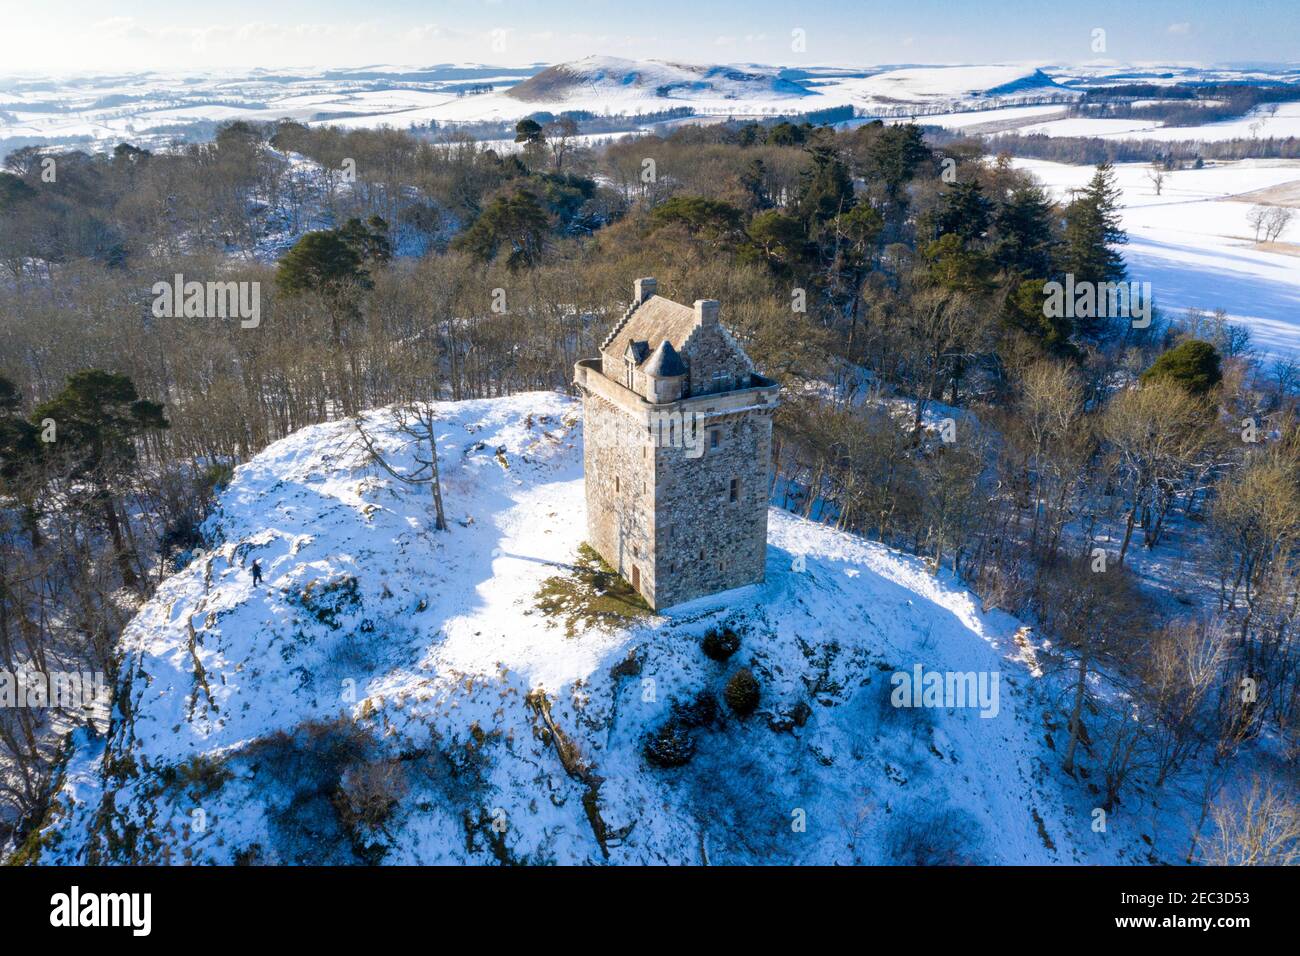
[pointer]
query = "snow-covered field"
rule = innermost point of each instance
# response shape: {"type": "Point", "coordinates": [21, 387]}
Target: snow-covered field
{"type": "Point", "coordinates": [1195, 247]}
{"type": "Point", "coordinates": [436, 646]}
{"type": "Point", "coordinates": [151, 108]}
{"type": "Point", "coordinates": [1260, 123]}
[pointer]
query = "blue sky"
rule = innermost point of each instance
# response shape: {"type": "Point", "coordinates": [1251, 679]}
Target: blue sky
{"type": "Point", "coordinates": [67, 35]}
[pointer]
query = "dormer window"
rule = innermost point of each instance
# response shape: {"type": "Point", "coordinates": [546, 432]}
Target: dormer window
{"type": "Point", "coordinates": [636, 353]}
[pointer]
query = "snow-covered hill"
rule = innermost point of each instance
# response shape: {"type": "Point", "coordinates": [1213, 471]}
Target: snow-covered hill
{"type": "Point", "coordinates": [952, 87]}
{"type": "Point", "coordinates": [393, 692]}
{"type": "Point", "coordinates": [153, 109]}
{"type": "Point", "coordinates": [629, 84]}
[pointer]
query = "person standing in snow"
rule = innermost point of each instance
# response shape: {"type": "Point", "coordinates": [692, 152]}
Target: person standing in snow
{"type": "Point", "coordinates": [257, 573]}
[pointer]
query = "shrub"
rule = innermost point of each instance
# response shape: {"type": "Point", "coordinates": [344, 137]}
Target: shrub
{"type": "Point", "coordinates": [741, 692]}
{"type": "Point", "coordinates": [700, 711]}
{"type": "Point", "coordinates": [1193, 364]}
{"type": "Point", "coordinates": [946, 838]}
{"type": "Point", "coordinates": [203, 775]}
{"type": "Point", "coordinates": [367, 793]}
{"type": "Point", "coordinates": [671, 745]}
{"type": "Point", "coordinates": [720, 643]}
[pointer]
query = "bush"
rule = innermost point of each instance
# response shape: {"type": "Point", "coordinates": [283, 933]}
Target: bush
{"type": "Point", "coordinates": [1193, 364]}
{"type": "Point", "coordinates": [947, 838]}
{"type": "Point", "coordinates": [741, 692]}
{"type": "Point", "coordinates": [720, 643]}
{"type": "Point", "coordinates": [368, 793]}
{"type": "Point", "coordinates": [701, 711]}
{"type": "Point", "coordinates": [671, 745]}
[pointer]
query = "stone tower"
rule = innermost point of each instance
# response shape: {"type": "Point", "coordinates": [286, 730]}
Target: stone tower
{"type": "Point", "coordinates": [678, 444]}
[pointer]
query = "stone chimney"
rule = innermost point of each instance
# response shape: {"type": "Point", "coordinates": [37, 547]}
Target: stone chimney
{"type": "Point", "coordinates": [706, 312]}
{"type": "Point", "coordinates": [642, 289]}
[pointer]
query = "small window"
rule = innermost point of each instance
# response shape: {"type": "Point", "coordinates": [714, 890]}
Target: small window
{"type": "Point", "coordinates": [617, 484]}
{"type": "Point", "coordinates": [701, 554]}
{"type": "Point", "coordinates": [715, 435]}
{"type": "Point", "coordinates": [735, 489]}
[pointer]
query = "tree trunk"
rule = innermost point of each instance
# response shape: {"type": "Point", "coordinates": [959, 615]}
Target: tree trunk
{"type": "Point", "coordinates": [1076, 714]}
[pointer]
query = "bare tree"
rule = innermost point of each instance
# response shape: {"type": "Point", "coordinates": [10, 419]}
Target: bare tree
{"type": "Point", "coordinates": [1259, 826]}
{"type": "Point", "coordinates": [1257, 217]}
{"type": "Point", "coordinates": [1186, 661]}
{"type": "Point", "coordinates": [1157, 177]}
{"type": "Point", "coordinates": [417, 421]}
{"type": "Point", "coordinates": [1275, 224]}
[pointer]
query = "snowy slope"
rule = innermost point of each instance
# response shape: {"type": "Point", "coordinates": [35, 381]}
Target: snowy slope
{"type": "Point", "coordinates": [607, 79]}
{"type": "Point", "coordinates": [443, 639]}
{"type": "Point", "coordinates": [951, 86]}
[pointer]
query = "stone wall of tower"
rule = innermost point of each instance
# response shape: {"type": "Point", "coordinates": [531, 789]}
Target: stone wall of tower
{"type": "Point", "coordinates": [705, 542]}
{"type": "Point", "coordinates": [710, 352]}
{"type": "Point", "coordinates": [619, 480]}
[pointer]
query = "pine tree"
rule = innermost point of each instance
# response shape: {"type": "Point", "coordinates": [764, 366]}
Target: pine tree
{"type": "Point", "coordinates": [1025, 243]}
{"type": "Point", "coordinates": [964, 211]}
{"type": "Point", "coordinates": [825, 188]}
{"type": "Point", "coordinates": [99, 417]}
{"type": "Point", "coordinates": [1092, 230]}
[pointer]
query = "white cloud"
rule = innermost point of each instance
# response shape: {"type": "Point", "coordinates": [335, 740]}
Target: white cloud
{"type": "Point", "coordinates": [1180, 29]}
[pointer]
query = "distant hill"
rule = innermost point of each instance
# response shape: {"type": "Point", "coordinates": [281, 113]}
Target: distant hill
{"type": "Point", "coordinates": [603, 76]}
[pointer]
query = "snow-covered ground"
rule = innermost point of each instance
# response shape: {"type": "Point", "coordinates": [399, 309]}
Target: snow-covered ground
{"type": "Point", "coordinates": [435, 644]}
{"type": "Point", "coordinates": [151, 108]}
{"type": "Point", "coordinates": [1195, 247]}
{"type": "Point", "coordinates": [1259, 123]}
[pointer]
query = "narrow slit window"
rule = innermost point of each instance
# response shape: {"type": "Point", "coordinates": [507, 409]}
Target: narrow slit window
{"type": "Point", "coordinates": [735, 489]}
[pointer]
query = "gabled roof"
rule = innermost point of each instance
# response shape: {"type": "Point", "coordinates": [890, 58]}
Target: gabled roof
{"type": "Point", "coordinates": [637, 351]}
{"type": "Point", "coordinates": [655, 320]}
{"type": "Point", "coordinates": [665, 363]}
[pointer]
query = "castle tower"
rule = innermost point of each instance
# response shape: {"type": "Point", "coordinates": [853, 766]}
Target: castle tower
{"type": "Point", "coordinates": [677, 449]}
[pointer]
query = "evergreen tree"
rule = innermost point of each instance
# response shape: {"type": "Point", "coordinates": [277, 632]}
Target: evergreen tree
{"type": "Point", "coordinates": [516, 223]}
{"type": "Point", "coordinates": [1024, 311]}
{"type": "Point", "coordinates": [965, 212]}
{"type": "Point", "coordinates": [954, 266]}
{"type": "Point", "coordinates": [1194, 364]}
{"type": "Point", "coordinates": [825, 188]}
{"type": "Point", "coordinates": [332, 259]}
{"type": "Point", "coordinates": [708, 218]}
{"type": "Point", "coordinates": [528, 131]}
{"type": "Point", "coordinates": [99, 417]}
{"type": "Point", "coordinates": [1025, 242]}
{"type": "Point", "coordinates": [781, 239]}
{"type": "Point", "coordinates": [891, 156]}
{"type": "Point", "coordinates": [1093, 230]}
